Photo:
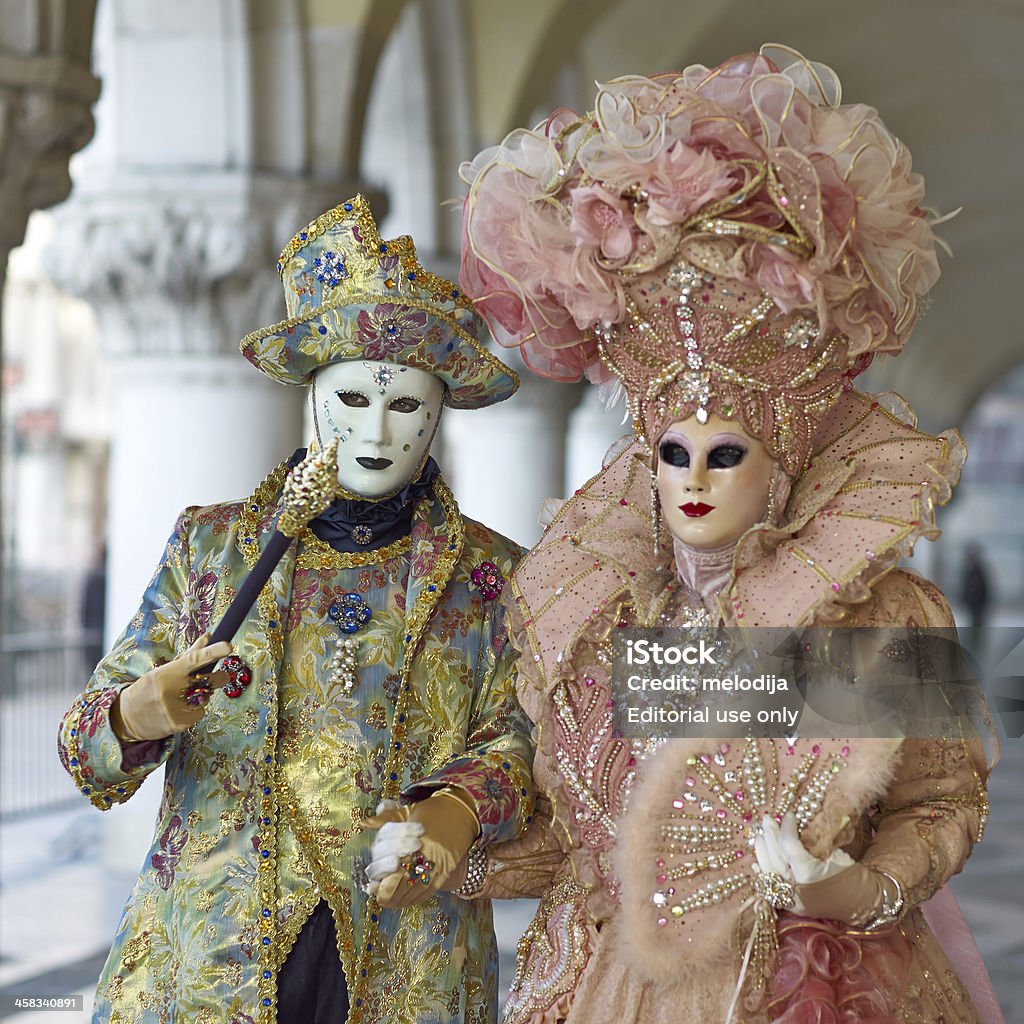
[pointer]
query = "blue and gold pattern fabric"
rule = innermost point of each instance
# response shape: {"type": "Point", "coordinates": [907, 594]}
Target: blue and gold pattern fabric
{"type": "Point", "coordinates": [263, 799]}
{"type": "Point", "coordinates": [351, 294]}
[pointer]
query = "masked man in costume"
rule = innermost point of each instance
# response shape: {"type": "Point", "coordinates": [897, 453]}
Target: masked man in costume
{"type": "Point", "coordinates": [371, 673]}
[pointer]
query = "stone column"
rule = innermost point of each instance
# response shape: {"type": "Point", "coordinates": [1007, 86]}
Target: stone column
{"type": "Point", "coordinates": [46, 95]}
{"type": "Point", "coordinates": [504, 461]}
{"type": "Point", "coordinates": [593, 429]}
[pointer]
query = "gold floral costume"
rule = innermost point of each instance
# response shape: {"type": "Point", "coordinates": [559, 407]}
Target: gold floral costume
{"type": "Point", "coordinates": [263, 799]}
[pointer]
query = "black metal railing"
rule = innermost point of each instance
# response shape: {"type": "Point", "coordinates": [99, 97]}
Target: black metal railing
{"type": "Point", "coordinates": [40, 674]}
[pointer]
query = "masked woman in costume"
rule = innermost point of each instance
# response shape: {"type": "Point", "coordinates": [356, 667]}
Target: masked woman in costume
{"type": "Point", "coordinates": [732, 246]}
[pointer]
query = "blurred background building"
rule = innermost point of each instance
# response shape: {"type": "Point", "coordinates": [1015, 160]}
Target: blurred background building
{"type": "Point", "coordinates": [200, 135]}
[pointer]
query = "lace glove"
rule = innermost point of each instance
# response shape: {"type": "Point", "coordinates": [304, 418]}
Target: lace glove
{"type": "Point", "coordinates": [837, 888]}
{"type": "Point", "coordinates": [153, 706]}
{"type": "Point", "coordinates": [418, 847]}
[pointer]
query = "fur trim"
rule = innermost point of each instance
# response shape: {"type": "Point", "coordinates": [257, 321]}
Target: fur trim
{"type": "Point", "coordinates": [709, 937]}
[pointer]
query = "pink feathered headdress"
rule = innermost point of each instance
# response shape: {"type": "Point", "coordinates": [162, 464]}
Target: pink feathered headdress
{"type": "Point", "coordinates": [813, 203]}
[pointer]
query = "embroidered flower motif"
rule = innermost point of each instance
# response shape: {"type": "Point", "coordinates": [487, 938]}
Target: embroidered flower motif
{"type": "Point", "coordinates": [304, 590]}
{"type": "Point", "coordinates": [426, 548]}
{"type": "Point", "coordinates": [495, 801]}
{"type": "Point", "coordinates": [197, 606]}
{"type": "Point", "coordinates": [488, 579]}
{"type": "Point", "coordinates": [217, 517]}
{"type": "Point", "coordinates": [330, 269]}
{"type": "Point", "coordinates": [96, 713]}
{"type": "Point", "coordinates": [172, 842]}
{"type": "Point", "coordinates": [452, 623]}
{"type": "Point", "coordinates": [389, 328]}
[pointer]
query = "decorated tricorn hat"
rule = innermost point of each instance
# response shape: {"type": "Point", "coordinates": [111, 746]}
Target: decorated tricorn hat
{"type": "Point", "coordinates": [352, 295]}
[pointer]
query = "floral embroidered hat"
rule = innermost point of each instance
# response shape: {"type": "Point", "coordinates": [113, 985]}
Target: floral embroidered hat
{"type": "Point", "coordinates": [732, 240]}
{"type": "Point", "coordinates": [353, 295]}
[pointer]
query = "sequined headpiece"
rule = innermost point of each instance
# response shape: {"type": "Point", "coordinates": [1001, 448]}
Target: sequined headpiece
{"type": "Point", "coordinates": [753, 173]}
{"type": "Point", "coordinates": [352, 295]}
{"type": "Point", "coordinates": [695, 343]}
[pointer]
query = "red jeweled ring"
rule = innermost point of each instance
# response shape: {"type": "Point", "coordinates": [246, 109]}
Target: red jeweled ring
{"type": "Point", "coordinates": [239, 675]}
{"type": "Point", "coordinates": [196, 693]}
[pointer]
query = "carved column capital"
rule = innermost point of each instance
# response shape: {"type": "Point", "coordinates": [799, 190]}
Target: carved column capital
{"type": "Point", "coordinates": [45, 117]}
{"type": "Point", "coordinates": [176, 264]}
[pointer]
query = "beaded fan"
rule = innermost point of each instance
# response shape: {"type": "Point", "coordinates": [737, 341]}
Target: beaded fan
{"type": "Point", "coordinates": [685, 856]}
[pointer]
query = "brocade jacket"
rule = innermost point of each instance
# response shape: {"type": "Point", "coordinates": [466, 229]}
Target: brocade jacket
{"type": "Point", "coordinates": [263, 798]}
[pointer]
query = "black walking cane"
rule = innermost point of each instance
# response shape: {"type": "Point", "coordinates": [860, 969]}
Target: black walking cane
{"type": "Point", "coordinates": [309, 488]}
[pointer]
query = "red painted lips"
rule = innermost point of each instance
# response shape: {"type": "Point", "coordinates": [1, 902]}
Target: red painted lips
{"type": "Point", "coordinates": [696, 509]}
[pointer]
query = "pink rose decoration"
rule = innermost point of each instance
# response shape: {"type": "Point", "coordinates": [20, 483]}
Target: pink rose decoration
{"type": "Point", "coordinates": [602, 221]}
{"type": "Point", "coordinates": [784, 278]}
{"type": "Point", "coordinates": [684, 180]}
{"type": "Point", "coordinates": [555, 214]}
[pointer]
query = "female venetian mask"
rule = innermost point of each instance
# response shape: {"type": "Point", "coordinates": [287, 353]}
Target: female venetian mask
{"type": "Point", "coordinates": [384, 416]}
{"type": "Point", "coordinates": [713, 481]}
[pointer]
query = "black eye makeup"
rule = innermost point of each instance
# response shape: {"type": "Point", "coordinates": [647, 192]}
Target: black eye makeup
{"type": "Point", "coordinates": [673, 454]}
{"type": "Point", "coordinates": [725, 456]}
{"type": "Point", "coordinates": [404, 404]}
{"type": "Point", "coordinates": [353, 399]}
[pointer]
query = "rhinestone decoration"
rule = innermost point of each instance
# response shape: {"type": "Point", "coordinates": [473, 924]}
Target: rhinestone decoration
{"type": "Point", "coordinates": [350, 613]}
{"type": "Point", "coordinates": [384, 376]}
{"type": "Point", "coordinates": [800, 332]}
{"type": "Point", "coordinates": [239, 675]}
{"type": "Point", "coordinates": [362, 534]}
{"type": "Point", "coordinates": [417, 870]}
{"type": "Point", "coordinates": [196, 694]}
{"type": "Point", "coordinates": [488, 579]}
{"type": "Point", "coordinates": [695, 379]}
{"type": "Point", "coordinates": [330, 269]}
{"type": "Point", "coordinates": [775, 890]}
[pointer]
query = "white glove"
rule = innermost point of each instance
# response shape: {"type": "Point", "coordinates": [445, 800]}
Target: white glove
{"type": "Point", "coordinates": [780, 851]}
{"type": "Point", "coordinates": [395, 841]}
{"type": "Point", "coordinates": [770, 858]}
{"type": "Point", "coordinates": [439, 829]}
{"type": "Point", "coordinates": [390, 846]}
{"type": "Point", "coordinates": [805, 867]}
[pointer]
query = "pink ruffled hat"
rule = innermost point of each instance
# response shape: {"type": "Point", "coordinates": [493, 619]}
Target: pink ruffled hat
{"type": "Point", "coordinates": [729, 239]}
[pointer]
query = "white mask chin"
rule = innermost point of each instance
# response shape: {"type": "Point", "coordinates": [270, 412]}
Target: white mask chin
{"type": "Point", "coordinates": [384, 417]}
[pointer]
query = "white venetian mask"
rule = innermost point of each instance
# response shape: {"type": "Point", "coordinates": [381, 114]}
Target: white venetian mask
{"type": "Point", "coordinates": [713, 481]}
{"type": "Point", "coordinates": [384, 416]}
